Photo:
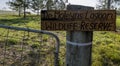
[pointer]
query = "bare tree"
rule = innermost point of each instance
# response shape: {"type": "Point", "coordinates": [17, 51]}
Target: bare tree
{"type": "Point", "coordinates": [107, 4]}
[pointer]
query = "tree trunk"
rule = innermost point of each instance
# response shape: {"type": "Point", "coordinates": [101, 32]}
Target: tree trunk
{"type": "Point", "coordinates": [108, 4]}
{"type": "Point", "coordinates": [19, 12]}
{"type": "Point", "coordinates": [24, 9]}
{"type": "Point", "coordinates": [38, 13]}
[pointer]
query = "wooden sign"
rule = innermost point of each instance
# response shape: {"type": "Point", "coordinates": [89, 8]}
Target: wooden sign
{"type": "Point", "coordinates": [83, 20]}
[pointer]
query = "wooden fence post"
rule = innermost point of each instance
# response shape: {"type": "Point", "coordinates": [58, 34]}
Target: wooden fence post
{"type": "Point", "coordinates": [79, 43]}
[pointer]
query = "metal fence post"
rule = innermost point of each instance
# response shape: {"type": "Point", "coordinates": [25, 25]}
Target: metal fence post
{"type": "Point", "coordinates": [79, 43]}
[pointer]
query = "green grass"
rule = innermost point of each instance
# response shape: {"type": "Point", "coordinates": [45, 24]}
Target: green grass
{"type": "Point", "coordinates": [118, 22]}
{"type": "Point", "coordinates": [106, 49]}
{"type": "Point", "coordinates": [27, 39]}
{"type": "Point", "coordinates": [20, 21]}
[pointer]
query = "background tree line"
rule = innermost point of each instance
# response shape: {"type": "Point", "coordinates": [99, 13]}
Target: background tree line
{"type": "Point", "coordinates": [36, 5]}
{"type": "Point", "coordinates": [109, 4]}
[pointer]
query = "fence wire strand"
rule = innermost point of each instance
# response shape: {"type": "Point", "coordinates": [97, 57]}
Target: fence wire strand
{"type": "Point", "coordinates": [6, 43]}
{"type": "Point", "coordinates": [32, 48]}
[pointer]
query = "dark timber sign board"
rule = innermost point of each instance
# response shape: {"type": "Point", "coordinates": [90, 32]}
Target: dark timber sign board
{"type": "Point", "coordinates": [82, 20]}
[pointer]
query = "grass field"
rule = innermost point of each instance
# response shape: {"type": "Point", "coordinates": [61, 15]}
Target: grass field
{"type": "Point", "coordinates": [106, 49]}
{"type": "Point", "coordinates": [118, 22]}
{"type": "Point", "coordinates": [5, 12]}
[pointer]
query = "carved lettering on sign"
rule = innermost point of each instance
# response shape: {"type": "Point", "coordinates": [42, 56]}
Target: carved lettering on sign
{"type": "Point", "coordinates": [83, 20]}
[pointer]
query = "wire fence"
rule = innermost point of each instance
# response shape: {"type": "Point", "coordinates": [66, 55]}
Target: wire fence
{"type": "Point", "coordinates": [6, 12]}
{"type": "Point", "coordinates": [28, 47]}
